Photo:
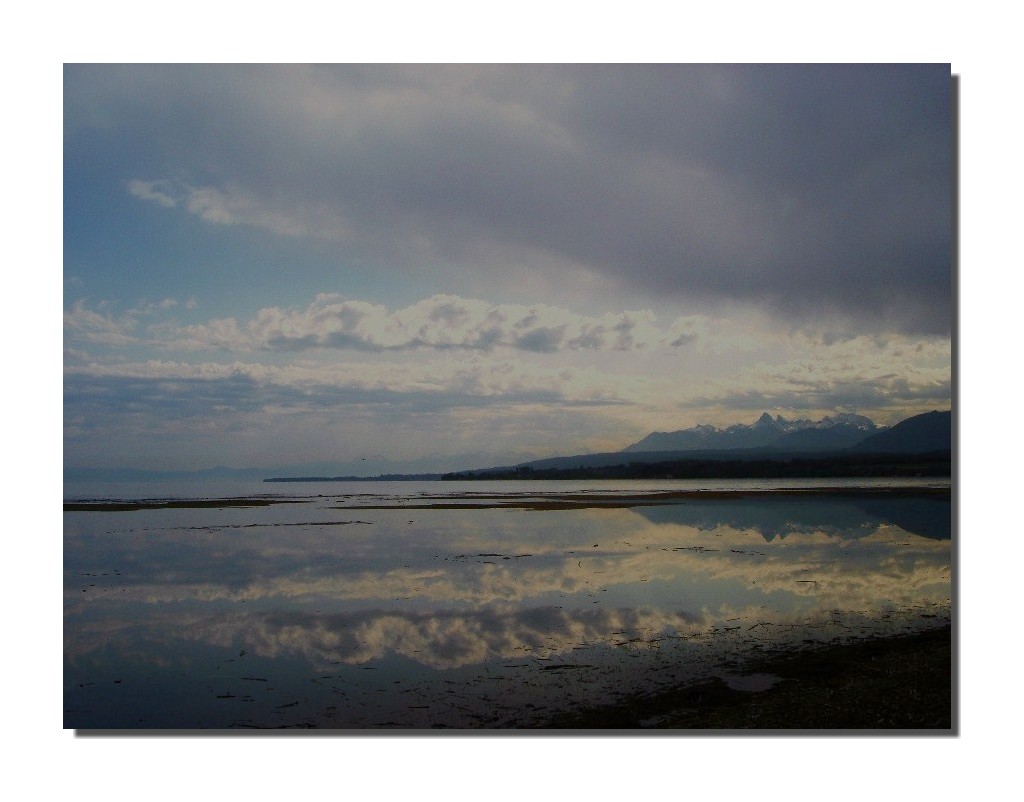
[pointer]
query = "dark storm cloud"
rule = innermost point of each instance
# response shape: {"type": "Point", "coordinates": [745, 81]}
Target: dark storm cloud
{"type": "Point", "coordinates": [808, 190]}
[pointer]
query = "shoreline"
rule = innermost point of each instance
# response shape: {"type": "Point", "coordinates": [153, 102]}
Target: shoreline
{"type": "Point", "coordinates": [522, 499]}
{"type": "Point", "coordinates": [882, 684]}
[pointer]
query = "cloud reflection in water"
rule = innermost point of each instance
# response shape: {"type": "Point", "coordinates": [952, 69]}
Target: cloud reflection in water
{"type": "Point", "coordinates": [467, 587]}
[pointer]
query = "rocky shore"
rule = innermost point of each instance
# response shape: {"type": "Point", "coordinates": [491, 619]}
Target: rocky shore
{"type": "Point", "coordinates": [898, 683]}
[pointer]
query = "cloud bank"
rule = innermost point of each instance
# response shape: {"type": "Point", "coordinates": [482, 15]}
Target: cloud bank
{"type": "Point", "coordinates": [477, 259]}
{"type": "Point", "coordinates": [440, 322]}
{"type": "Point", "coordinates": [800, 189]}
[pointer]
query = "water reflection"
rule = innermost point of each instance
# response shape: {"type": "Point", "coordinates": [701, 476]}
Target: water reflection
{"type": "Point", "coordinates": [849, 515]}
{"type": "Point", "coordinates": [587, 601]}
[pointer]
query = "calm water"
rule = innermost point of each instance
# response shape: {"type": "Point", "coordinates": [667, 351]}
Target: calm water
{"type": "Point", "coordinates": [420, 605]}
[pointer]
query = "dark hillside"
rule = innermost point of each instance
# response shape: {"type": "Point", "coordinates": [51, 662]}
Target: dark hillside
{"type": "Point", "coordinates": [921, 434]}
{"type": "Point", "coordinates": [836, 465]}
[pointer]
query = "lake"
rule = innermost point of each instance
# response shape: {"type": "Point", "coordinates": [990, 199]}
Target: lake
{"type": "Point", "coordinates": [419, 605]}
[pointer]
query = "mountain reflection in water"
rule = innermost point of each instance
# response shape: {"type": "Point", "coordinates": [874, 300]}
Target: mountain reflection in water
{"type": "Point", "coordinates": [297, 615]}
{"type": "Point", "coordinates": [848, 515]}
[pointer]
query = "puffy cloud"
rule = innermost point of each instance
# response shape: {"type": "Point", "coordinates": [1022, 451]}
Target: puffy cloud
{"type": "Point", "coordinates": [888, 377]}
{"type": "Point", "coordinates": [463, 374]}
{"type": "Point", "coordinates": [440, 322]}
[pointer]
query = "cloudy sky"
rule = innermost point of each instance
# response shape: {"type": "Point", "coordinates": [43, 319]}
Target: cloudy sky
{"type": "Point", "coordinates": [439, 267]}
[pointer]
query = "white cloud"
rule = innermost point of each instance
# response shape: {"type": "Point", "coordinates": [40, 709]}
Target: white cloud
{"type": "Point", "coordinates": [439, 322]}
{"type": "Point", "coordinates": [86, 325]}
{"type": "Point", "coordinates": [887, 378]}
{"type": "Point", "coordinates": [101, 326]}
{"type": "Point", "coordinates": [232, 205]}
{"type": "Point", "coordinates": [449, 374]}
{"type": "Point", "coordinates": [155, 191]}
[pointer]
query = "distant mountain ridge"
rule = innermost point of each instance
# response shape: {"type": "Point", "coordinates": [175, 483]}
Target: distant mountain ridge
{"type": "Point", "coordinates": [831, 432]}
{"type": "Point", "coordinates": [932, 431]}
{"type": "Point", "coordinates": [840, 438]}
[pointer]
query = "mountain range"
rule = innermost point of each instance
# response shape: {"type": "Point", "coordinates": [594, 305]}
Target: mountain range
{"type": "Point", "coordinates": [841, 436]}
{"type": "Point", "coordinates": [932, 431]}
{"type": "Point", "coordinates": [829, 433]}
{"type": "Point", "coordinates": [845, 432]}
{"type": "Point", "coordinates": [838, 438]}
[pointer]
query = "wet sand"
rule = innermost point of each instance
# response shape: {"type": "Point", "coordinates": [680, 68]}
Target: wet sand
{"type": "Point", "coordinates": [902, 682]}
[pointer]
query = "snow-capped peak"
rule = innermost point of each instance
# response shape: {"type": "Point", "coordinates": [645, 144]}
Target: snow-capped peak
{"type": "Point", "coordinates": [846, 419]}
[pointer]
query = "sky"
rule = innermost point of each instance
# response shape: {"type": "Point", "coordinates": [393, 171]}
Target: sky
{"type": "Point", "coordinates": [374, 268]}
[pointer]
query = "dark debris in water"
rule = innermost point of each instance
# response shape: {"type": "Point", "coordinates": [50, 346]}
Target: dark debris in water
{"type": "Point", "coordinates": [178, 504]}
{"type": "Point", "coordinates": [560, 666]}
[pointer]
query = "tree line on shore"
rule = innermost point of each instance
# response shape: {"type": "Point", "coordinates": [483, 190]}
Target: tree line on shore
{"type": "Point", "coordinates": [935, 464]}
